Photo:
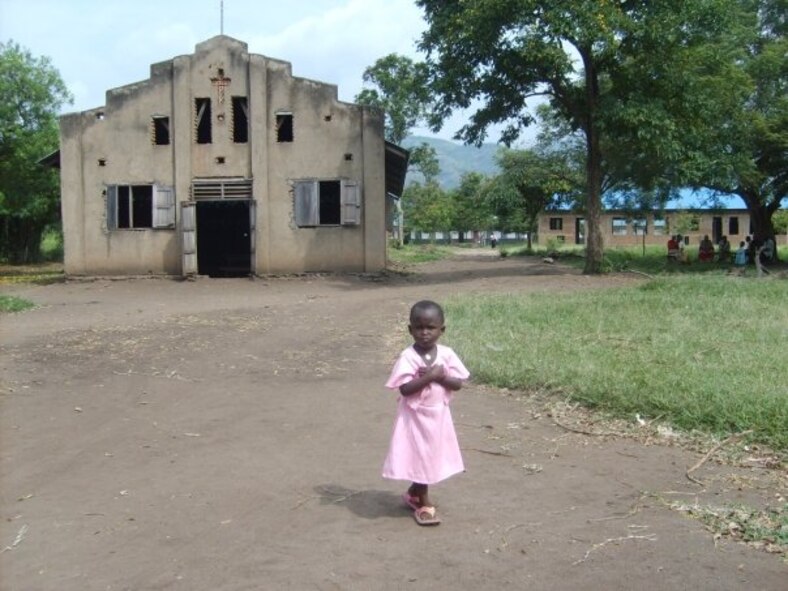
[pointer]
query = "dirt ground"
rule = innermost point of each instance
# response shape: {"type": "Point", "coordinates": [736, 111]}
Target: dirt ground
{"type": "Point", "coordinates": [228, 434]}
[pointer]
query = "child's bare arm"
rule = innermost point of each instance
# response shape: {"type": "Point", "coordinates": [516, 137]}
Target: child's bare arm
{"type": "Point", "coordinates": [451, 383]}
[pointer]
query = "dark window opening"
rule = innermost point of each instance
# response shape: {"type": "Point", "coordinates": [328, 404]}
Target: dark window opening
{"type": "Point", "coordinates": [161, 131]}
{"type": "Point", "coordinates": [240, 120]}
{"type": "Point", "coordinates": [220, 160]}
{"type": "Point", "coordinates": [202, 120]}
{"type": "Point", "coordinates": [284, 127]}
{"type": "Point", "coordinates": [733, 226]}
{"type": "Point", "coordinates": [348, 157]}
{"type": "Point", "coordinates": [102, 162]}
{"type": "Point", "coordinates": [330, 202]}
{"type": "Point", "coordinates": [556, 223]}
{"type": "Point", "coordinates": [135, 206]}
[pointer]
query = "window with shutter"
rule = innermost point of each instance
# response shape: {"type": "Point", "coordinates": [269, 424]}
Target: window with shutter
{"type": "Point", "coordinates": [140, 206]}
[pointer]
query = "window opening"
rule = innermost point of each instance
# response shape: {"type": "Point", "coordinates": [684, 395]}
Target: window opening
{"type": "Point", "coordinates": [284, 127]}
{"type": "Point", "coordinates": [330, 212]}
{"type": "Point", "coordinates": [327, 203]}
{"type": "Point", "coordinates": [639, 226]}
{"type": "Point", "coordinates": [202, 120]}
{"type": "Point", "coordinates": [240, 120]}
{"type": "Point", "coordinates": [556, 223]}
{"type": "Point", "coordinates": [161, 130]}
{"type": "Point", "coordinates": [619, 227]}
{"type": "Point", "coordinates": [135, 206]}
{"type": "Point", "coordinates": [660, 226]}
{"type": "Point", "coordinates": [733, 226]}
{"type": "Point", "coordinates": [140, 206]}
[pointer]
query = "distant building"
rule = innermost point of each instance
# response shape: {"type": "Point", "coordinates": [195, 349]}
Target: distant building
{"type": "Point", "coordinates": [623, 229]}
{"type": "Point", "coordinates": [223, 163]}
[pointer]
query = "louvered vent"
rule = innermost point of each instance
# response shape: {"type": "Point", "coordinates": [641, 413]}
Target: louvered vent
{"type": "Point", "coordinates": [203, 190]}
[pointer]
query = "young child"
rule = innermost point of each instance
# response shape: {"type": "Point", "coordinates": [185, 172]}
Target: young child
{"type": "Point", "coordinates": [424, 447]}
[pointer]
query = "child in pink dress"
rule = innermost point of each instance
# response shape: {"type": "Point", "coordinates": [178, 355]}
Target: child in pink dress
{"type": "Point", "coordinates": [424, 447]}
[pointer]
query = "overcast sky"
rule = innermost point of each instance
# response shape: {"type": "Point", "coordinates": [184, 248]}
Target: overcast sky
{"type": "Point", "coordinates": [97, 45]}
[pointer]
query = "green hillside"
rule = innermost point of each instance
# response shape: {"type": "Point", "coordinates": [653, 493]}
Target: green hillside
{"type": "Point", "coordinates": [455, 159]}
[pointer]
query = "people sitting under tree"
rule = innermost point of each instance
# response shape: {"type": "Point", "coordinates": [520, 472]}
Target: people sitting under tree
{"type": "Point", "coordinates": [706, 250]}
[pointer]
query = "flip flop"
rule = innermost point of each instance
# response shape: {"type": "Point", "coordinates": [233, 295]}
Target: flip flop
{"type": "Point", "coordinates": [426, 516]}
{"type": "Point", "coordinates": [411, 501]}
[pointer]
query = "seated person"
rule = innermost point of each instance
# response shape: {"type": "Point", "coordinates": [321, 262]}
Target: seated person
{"type": "Point", "coordinates": [706, 250]}
{"type": "Point", "coordinates": [724, 250]}
{"type": "Point", "coordinates": [673, 248]}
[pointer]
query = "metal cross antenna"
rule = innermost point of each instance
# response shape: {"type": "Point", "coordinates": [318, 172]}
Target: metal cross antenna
{"type": "Point", "coordinates": [221, 17]}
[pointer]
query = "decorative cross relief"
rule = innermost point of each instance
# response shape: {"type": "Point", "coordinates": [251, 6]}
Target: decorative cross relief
{"type": "Point", "coordinates": [220, 82]}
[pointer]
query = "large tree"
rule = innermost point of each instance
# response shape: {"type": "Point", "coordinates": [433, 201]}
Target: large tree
{"type": "Point", "coordinates": [747, 154]}
{"type": "Point", "coordinates": [31, 93]}
{"type": "Point", "coordinates": [497, 56]}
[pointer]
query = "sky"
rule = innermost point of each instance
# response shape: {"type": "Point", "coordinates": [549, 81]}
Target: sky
{"type": "Point", "coordinates": [97, 45]}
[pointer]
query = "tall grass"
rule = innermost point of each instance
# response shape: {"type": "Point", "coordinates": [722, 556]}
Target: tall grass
{"type": "Point", "coordinates": [703, 352]}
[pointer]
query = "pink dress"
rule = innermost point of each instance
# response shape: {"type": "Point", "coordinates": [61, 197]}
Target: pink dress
{"type": "Point", "coordinates": [424, 447]}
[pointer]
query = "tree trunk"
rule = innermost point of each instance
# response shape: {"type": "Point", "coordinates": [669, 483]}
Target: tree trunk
{"type": "Point", "coordinates": [594, 242]}
{"type": "Point", "coordinates": [760, 216]}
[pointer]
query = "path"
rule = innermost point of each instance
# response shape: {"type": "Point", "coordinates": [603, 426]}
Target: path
{"type": "Point", "coordinates": [228, 435]}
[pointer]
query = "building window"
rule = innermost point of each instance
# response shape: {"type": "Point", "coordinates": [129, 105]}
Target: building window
{"type": "Point", "coordinates": [556, 223]}
{"type": "Point", "coordinates": [619, 227]}
{"type": "Point", "coordinates": [733, 226]}
{"type": "Point", "coordinates": [240, 120]}
{"type": "Point", "coordinates": [202, 120]}
{"type": "Point", "coordinates": [660, 227]}
{"type": "Point", "coordinates": [140, 206]}
{"type": "Point", "coordinates": [327, 203]}
{"type": "Point", "coordinates": [161, 130]}
{"type": "Point", "coordinates": [284, 127]}
{"type": "Point", "coordinates": [639, 226]}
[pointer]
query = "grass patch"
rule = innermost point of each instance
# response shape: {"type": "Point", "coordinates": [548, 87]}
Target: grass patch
{"type": "Point", "coordinates": [410, 254]}
{"type": "Point", "coordinates": [702, 352]}
{"type": "Point", "coordinates": [766, 528]}
{"type": "Point", "coordinates": [14, 304]}
{"type": "Point", "coordinates": [653, 260]}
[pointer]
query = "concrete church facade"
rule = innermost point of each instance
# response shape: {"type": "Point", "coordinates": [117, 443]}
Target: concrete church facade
{"type": "Point", "coordinates": [224, 164]}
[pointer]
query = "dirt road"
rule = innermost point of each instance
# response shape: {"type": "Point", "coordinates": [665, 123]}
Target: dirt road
{"type": "Point", "coordinates": [229, 435]}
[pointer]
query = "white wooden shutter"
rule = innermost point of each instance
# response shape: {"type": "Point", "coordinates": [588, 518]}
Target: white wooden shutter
{"type": "Point", "coordinates": [351, 203]}
{"type": "Point", "coordinates": [307, 203]}
{"type": "Point", "coordinates": [112, 207]}
{"type": "Point", "coordinates": [163, 207]}
{"type": "Point", "coordinates": [189, 238]}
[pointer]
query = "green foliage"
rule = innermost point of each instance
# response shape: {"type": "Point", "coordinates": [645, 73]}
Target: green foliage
{"type": "Point", "coordinates": [703, 352]}
{"type": "Point", "coordinates": [399, 89]}
{"type": "Point", "coordinates": [427, 208]}
{"type": "Point", "coordinates": [470, 209]}
{"type": "Point", "coordinates": [14, 304]}
{"type": "Point", "coordinates": [31, 93]}
{"type": "Point", "coordinates": [418, 253]}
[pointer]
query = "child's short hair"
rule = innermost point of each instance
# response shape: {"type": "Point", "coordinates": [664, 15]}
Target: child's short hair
{"type": "Point", "coordinates": [423, 306]}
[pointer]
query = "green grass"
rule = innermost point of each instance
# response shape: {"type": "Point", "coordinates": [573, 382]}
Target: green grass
{"type": "Point", "coordinates": [653, 261]}
{"type": "Point", "coordinates": [14, 304]}
{"type": "Point", "coordinates": [418, 253]}
{"type": "Point", "coordinates": [703, 352]}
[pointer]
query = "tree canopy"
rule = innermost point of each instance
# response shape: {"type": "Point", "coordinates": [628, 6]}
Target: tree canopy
{"type": "Point", "coordinates": [616, 72]}
{"type": "Point", "coordinates": [31, 93]}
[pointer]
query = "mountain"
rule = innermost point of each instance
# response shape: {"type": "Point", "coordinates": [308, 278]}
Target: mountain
{"type": "Point", "coordinates": [455, 159]}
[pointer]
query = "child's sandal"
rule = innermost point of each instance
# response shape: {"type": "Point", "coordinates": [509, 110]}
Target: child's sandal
{"type": "Point", "coordinates": [426, 516]}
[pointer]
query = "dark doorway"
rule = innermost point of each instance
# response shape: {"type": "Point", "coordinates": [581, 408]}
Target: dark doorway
{"type": "Point", "coordinates": [716, 229]}
{"type": "Point", "coordinates": [580, 231]}
{"type": "Point", "coordinates": [224, 247]}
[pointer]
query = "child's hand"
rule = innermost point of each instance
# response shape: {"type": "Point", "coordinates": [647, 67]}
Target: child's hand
{"type": "Point", "coordinates": [436, 372]}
